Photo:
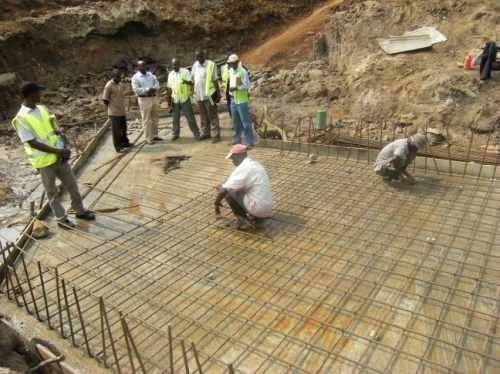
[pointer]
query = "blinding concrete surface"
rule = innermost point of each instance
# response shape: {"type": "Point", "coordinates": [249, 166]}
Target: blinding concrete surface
{"type": "Point", "coordinates": [344, 277]}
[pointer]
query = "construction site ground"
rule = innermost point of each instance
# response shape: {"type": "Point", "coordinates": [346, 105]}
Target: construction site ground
{"type": "Point", "coordinates": [344, 277]}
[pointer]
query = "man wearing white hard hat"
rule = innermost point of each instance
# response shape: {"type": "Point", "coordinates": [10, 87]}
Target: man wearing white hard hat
{"type": "Point", "coordinates": [395, 157]}
{"type": "Point", "coordinates": [247, 191]}
{"type": "Point", "coordinates": [238, 89]}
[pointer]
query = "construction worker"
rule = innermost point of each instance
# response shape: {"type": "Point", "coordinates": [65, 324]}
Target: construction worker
{"type": "Point", "coordinates": [145, 85]}
{"type": "Point", "coordinates": [207, 92]}
{"type": "Point", "coordinates": [238, 89]}
{"type": "Point", "coordinates": [247, 191]}
{"type": "Point", "coordinates": [394, 158]}
{"type": "Point", "coordinates": [178, 96]}
{"type": "Point", "coordinates": [49, 152]}
{"type": "Point", "coordinates": [115, 104]}
{"type": "Point", "coordinates": [224, 75]}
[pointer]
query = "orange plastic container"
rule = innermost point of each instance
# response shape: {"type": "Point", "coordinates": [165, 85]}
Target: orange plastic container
{"type": "Point", "coordinates": [468, 62]}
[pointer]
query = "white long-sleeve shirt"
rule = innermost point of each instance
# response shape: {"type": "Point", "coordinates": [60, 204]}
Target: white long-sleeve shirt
{"type": "Point", "coordinates": [141, 83]}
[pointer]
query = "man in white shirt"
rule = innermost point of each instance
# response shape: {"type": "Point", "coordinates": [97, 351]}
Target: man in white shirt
{"type": "Point", "coordinates": [247, 191]}
{"type": "Point", "coordinates": [178, 95]}
{"type": "Point", "coordinates": [145, 85]}
{"type": "Point", "coordinates": [207, 92]}
{"type": "Point", "coordinates": [395, 157]}
{"type": "Point", "coordinates": [240, 113]}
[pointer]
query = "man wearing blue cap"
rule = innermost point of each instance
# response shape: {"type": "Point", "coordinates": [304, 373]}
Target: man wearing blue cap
{"type": "Point", "coordinates": [48, 152]}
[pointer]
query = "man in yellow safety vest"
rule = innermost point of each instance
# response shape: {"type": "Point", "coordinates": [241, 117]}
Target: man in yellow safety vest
{"type": "Point", "coordinates": [239, 84]}
{"type": "Point", "coordinates": [207, 92]}
{"type": "Point", "coordinates": [178, 95]}
{"type": "Point", "coordinates": [49, 152]}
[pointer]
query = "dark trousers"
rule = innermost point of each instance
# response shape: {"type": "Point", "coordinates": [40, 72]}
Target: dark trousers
{"type": "Point", "coordinates": [228, 100]}
{"type": "Point", "coordinates": [235, 201]}
{"type": "Point", "coordinates": [119, 131]}
{"type": "Point", "coordinates": [187, 109]}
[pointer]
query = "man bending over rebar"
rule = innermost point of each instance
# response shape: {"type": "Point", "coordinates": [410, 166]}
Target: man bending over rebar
{"type": "Point", "coordinates": [395, 157]}
{"type": "Point", "coordinates": [247, 191]}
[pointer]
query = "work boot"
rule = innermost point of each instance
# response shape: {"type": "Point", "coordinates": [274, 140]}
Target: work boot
{"type": "Point", "coordinates": [65, 223]}
{"type": "Point", "coordinates": [216, 139]}
{"type": "Point", "coordinates": [87, 216]}
{"type": "Point", "coordinates": [207, 136]}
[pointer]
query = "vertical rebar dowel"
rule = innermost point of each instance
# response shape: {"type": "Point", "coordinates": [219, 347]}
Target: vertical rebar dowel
{"type": "Point", "coordinates": [315, 142]}
{"type": "Point", "coordinates": [496, 164]}
{"type": "Point", "coordinates": [40, 204]}
{"type": "Point", "coordinates": [230, 367]}
{"type": "Point", "coordinates": [18, 281]}
{"type": "Point", "coordinates": [432, 152]}
{"type": "Point", "coordinates": [295, 134]}
{"type": "Point", "coordinates": [468, 154]}
{"type": "Point", "coordinates": [30, 287]}
{"type": "Point", "coordinates": [59, 303]}
{"type": "Point", "coordinates": [381, 135]}
{"type": "Point", "coordinates": [104, 316]}
{"type": "Point", "coordinates": [330, 133]}
{"type": "Point", "coordinates": [134, 347]}
{"type": "Point", "coordinates": [195, 352]}
{"type": "Point", "coordinates": [352, 142]}
{"type": "Point", "coordinates": [368, 142]}
{"type": "Point", "coordinates": [184, 356]}
{"type": "Point", "coordinates": [300, 132]}
{"type": "Point", "coordinates": [360, 140]}
{"type": "Point", "coordinates": [82, 323]}
{"type": "Point", "coordinates": [103, 332]}
{"type": "Point", "coordinates": [44, 293]}
{"type": "Point", "coordinates": [425, 169]}
{"type": "Point", "coordinates": [282, 132]}
{"type": "Point", "coordinates": [449, 147]}
{"type": "Point", "coordinates": [129, 351]}
{"type": "Point", "coordinates": [68, 312]}
{"type": "Point", "coordinates": [309, 136]}
{"type": "Point", "coordinates": [32, 209]}
{"type": "Point", "coordinates": [338, 137]}
{"type": "Point", "coordinates": [170, 349]}
{"type": "Point", "coordinates": [8, 277]}
{"type": "Point", "coordinates": [484, 155]}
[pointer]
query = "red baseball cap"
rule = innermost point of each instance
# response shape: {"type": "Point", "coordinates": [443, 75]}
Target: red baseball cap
{"type": "Point", "coordinates": [235, 149]}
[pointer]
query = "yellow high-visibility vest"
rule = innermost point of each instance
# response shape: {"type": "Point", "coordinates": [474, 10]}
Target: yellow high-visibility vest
{"type": "Point", "coordinates": [224, 74]}
{"type": "Point", "coordinates": [184, 90]}
{"type": "Point", "coordinates": [44, 131]}
{"type": "Point", "coordinates": [240, 97]}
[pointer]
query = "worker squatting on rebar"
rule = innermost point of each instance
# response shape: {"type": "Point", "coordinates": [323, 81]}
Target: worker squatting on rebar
{"type": "Point", "coordinates": [247, 191]}
{"type": "Point", "coordinates": [394, 158]}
